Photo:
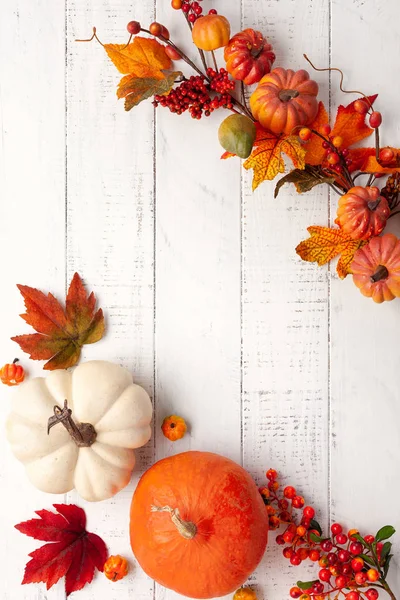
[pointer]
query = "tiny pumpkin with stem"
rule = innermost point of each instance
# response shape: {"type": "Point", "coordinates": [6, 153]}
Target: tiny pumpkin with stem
{"type": "Point", "coordinates": [174, 427]}
{"type": "Point", "coordinates": [245, 593]}
{"type": "Point", "coordinates": [12, 374]}
{"type": "Point", "coordinates": [116, 568]}
{"type": "Point", "coordinates": [211, 32]}
{"type": "Point", "coordinates": [362, 212]}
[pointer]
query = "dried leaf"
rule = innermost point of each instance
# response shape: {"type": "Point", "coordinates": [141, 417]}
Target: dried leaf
{"type": "Point", "coordinates": [135, 89]}
{"type": "Point", "coordinates": [266, 158]}
{"type": "Point", "coordinates": [61, 333]}
{"type": "Point", "coordinates": [315, 153]}
{"type": "Point", "coordinates": [304, 180]}
{"type": "Point", "coordinates": [350, 125]}
{"type": "Point", "coordinates": [72, 551]}
{"type": "Point", "coordinates": [325, 243]}
{"type": "Point", "coordinates": [144, 57]}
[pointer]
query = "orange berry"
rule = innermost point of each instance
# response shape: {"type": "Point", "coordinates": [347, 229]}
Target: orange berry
{"type": "Point", "coordinates": [333, 158]}
{"type": "Point", "coordinates": [386, 155]}
{"type": "Point", "coordinates": [301, 530]}
{"type": "Point", "coordinates": [305, 134]}
{"type": "Point", "coordinates": [325, 129]}
{"type": "Point", "coordinates": [274, 523]}
{"type": "Point", "coordinates": [305, 597]}
{"type": "Point", "coordinates": [337, 141]}
{"type": "Point", "coordinates": [176, 4]}
{"type": "Point", "coordinates": [352, 532]}
{"type": "Point", "coordinates": [361, 107]}
{"type": "Point", "coordinates": [271, 510]}
{"type": "Point", "coordinates": [12, 374]}
{"type": "Point", "coordinates": [264, 491]}
{"type": "Point", "coordinates": [372, 575]}
{"type": "Point", "coordinates": [174, 428]}
{"type": "Point", "coordinates": [116, 568]}
{"type": "Point", "coordinates": [155, 29]}
{"type": "Point", "coordinates": [273, 485]}
{"type": "Point", "coordinates": [303, 553]}
{"type": "Point", "coordinates": [172, 53]}
{"type": "Point", "coordinates": [133, 27]}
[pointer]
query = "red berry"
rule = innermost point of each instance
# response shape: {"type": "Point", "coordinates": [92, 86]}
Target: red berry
{"type": "Point", "coordinates": [309, 512]}
{"type": "Point", "coordinates": [295, 560]}
{"type": "Point", "coordinates": [341, 538]}
{"type": "Point", "coordinates": [303, 553]}
{"type": "Point", "coordinates": [305, 134]}
{"type": "Point", "coordinates": [325, 145]}
{"type": "Point", "coordinates": [298, 502]}
{"type": "Point", "coordinates": [176, 4]}
{"type": "Point", "coordinates": [314, 555]}
{"type": "Point", "coordinates": [318, 587]}
{"type": "Point", "coordinates": [353, 595]}
{"type": "Point", "coordinates": [288, 536]}
{"type": "Point", "coordinates": [283, 504]}
{"type": "Point", "coordinates": [343, 556]}
{"type": "Point", "coordinates": [345, 152]}
{"type": "Point", "coordinates": [360, 578]}
{"type": "Point", "coordinates": [333, 158]}
{"type": "Point", "coordinates": [192, 17]}
{"type": "Point", "coordinates": [133, 27]}
{"type": "Point", "coordinates": [357, 564]}
{"type": "Point", "coordinates": [172, 53]}
{"type": "Point", "coordinates": [272, 474]}
{"type": "Point", "coordinates": [332, 558]}
{"type": "Point", "coordinates": [324, 575]}
{"type": "Point", "coordinates": [289, 492]}
{"type": "Point", "coordinates": [295, 592]}
{"type": "Point", "coordinates": [372, 594]}
{"type": "Point", "coordinates": [273, 485]}
{"type": "Point", "coordinates": [326, 545]}
{"type": "Point", "coordinates": [356, 548]}
{"type": "Point", "coordinates": [361, 107]}
{"type": "Point", "coordinates": [335, 527]}
{"type": "Point", "coordinates": [325, 129]}
{"type": "Point", "coordinates": [185, 7]}
{"type": "Point", "coordinates": [197, 10]}
{"type": "Point", "coordinates": [155, 28]}
{"type": "Point", "coordinates": [346, 569]}
{"type": "Point", "coordinates": [341, 581]}
{"type": "Point", "coordinates": [372, 575]}
{"type": "Point", "coordinates": [375, 119]}
{"type": "Point", "coordinates": [165, 33]}
{"type": "Point", "coordinates": [279, 540]}
{"type": "Point", "coordinates": [386, 155]}
{"type": "Point", "coordinates": [212, 11]}
{"type": "Point", "coordinates": [287, 552]}
{"type": "Point", "coordinates": [338, 168]}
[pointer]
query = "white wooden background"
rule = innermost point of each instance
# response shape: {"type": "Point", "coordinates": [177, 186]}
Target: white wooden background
{"type": "Point", "coordinates": [274, 362]}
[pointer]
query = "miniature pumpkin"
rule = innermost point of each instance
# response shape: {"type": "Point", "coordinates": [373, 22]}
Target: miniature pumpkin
{"type": "Point", "coordinates": [285, 99]}
{"type": "Point", "coordinates": [211, 32]}
{"type": "Point", "coordinates": [198, 524]}
{"type": "Point", "coordinates": [245, 593]}
{"type": "Point", "coordinates": [248, 56]}
{"type": "Point", "coordinates": [116, 568]}
{"type": "Point", "coordinates": [174, 428]}
{"type": "Point", "coordinates": [362, 212]}
{"type": "Point", "coordinates": [78, 429]}
{"type": "Point", "coordinates": [376, 268]}
{"type": "Point", "coordinates": [12, 374]}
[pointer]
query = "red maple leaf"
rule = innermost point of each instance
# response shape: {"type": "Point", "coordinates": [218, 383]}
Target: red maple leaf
{"type": "Point", "coordinates": [72, 551]}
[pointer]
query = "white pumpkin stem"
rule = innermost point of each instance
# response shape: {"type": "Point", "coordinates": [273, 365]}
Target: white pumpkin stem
{"type": "Point", "coordinates": [187, 529]}
{"type": "Point", "coordinates": [84, 434]}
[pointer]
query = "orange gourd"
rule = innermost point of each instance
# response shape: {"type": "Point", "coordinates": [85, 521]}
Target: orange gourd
{"type": "Point", "coordinates": [376, 268]}
{"type": "Point", "coordinates": [12, 374]}
{"type": "Point", "coordinates": [285, 100]}
{"type": "Point", "coordinates": [362, 212]}
{"type": "Point", "coordinates": [174, 428]}
{"type": "Point", "coordinates": [116, 568]}
{"type": "Point", "coordinates": [211, 32]}
{"type": "Point", "coordinates": [198, 524]}
{"type": "Point", "coordinates": [248, 56]}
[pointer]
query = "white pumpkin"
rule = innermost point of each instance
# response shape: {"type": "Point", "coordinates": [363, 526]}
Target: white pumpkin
{"type": "Point", "coordinates": [49, 433]}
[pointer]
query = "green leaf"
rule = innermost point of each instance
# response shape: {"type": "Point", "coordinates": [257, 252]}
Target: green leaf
{"type": "Point", "coordinates": [315, 525]}
{"type": "Point", "coordinates": [136, 89]}
{"type": "Point", "coordinates": [303, 179]}
{"type": "Point", "coordinates": [367, 559]}
{"type": "Point", "coordinates": [360, 539]}
{"type": "Point", "coordinates": [385, 551]}
{"type": "Point", "coordinates": [316, 538]}
{"type": "Point", "coordinates": [385, 533]}
{"type": "Point", "coordinates": [387, 564]}
{"type": "Point", "coordinates": [306, 585]}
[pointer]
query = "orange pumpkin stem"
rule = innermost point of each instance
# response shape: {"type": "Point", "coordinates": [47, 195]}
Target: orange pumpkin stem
{"type": "Point", "coordinates": [286, 95]}
{"type": "Point", "coordinates": [380, 273]}
{"type": "Point", "coordinates": [187, 529]}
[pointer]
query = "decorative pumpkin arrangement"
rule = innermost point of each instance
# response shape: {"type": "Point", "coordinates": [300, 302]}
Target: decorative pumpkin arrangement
{"type": "Point", "coordinates": [276, 114]}
{"type": "Point", "coordinates": [203, 512]}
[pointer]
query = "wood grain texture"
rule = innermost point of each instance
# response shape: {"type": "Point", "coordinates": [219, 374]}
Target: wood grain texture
{"type": "Point", "coordinates": [365, 404]}
{"type": "Point", "coordinates": [285, 308]}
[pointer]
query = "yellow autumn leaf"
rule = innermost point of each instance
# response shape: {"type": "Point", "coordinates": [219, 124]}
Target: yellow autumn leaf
{"type": "Point", "coordinates": [325, 243]}
{"type": "Point", "coordinates": [142, 58]}
{"type": "Point", "coordinates": [266, 158]}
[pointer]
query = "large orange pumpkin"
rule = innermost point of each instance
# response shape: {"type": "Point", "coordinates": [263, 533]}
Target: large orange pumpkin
{"type": "Point", "coordinates": [198, 524]}
{"type": "Point", "coordinates": [284, 100]}
{"type": "Point", "coordinates": [362, 212]}
{"type": "Point", "coordinates": [376, 268]}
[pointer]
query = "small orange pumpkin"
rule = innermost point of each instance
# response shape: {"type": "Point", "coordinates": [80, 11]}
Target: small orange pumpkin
{"type": "Point", "coordinates": [362, 212]}
{"type": "Point", "coordinates": [12, 374]}
{"type": "Point", "coordinates": [211, 32]}
{"type": "Point", "coordinates": [198, 524]}
{"type": "Point", "coordinates": [245, 593]}
{"type": "Point", "coordinates": [376, 268]}
{"type": "Point", "coordinates": [116, 568]}
{"type": "Point", "coordinates": [248, 56]}
{"type": "Point", "coordinates": [285, 99]}
{"type": "Point", "coordinates": [174, 428]}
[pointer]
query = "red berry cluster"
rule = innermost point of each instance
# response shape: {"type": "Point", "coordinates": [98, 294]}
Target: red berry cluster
{"type": "Point", "coordinates": [349, 564]}
{"type": "Point", "coordinates": [193, 95]}
{"type": "Point", "coordinates": [192, 9]}
{"type": "Point", "coordinates": [220, 81]}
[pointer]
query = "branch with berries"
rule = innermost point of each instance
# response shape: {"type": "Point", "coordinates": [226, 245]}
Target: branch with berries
{"type": "Point", "coordinates": [276, 118]}
{"type": "Point", "coordinates": [350, 566]}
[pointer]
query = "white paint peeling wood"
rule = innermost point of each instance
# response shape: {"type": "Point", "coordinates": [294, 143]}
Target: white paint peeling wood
{"type": "Point", "coordinates": [237, 340]}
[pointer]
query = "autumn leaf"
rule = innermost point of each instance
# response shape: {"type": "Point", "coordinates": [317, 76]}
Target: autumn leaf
{"type": "Point", "coordinates": [226, 155]}
{"type": "Point", "coordinates": [61, 333]}
{"type": "Point", "coordinates": [350, 125]}
{"type": "Point", "coordinates": [371, 165]}
{"type": "Point", "coordinates": [325, 243]}
{"type": "Point", "coordinates": [72, 553]}
{"type": "Point", "coordinates": [266, 158]}
{"type": "Point", "coordinates": [315, 153]}
{"type": "Point", "coordinates": [304, 180]}
{"type": "Point", "coordinates": [135, 89]}
{"type": "Point", "coordinates": [144, 57]}
{"type": "Point", "coordinates": [359, 158]}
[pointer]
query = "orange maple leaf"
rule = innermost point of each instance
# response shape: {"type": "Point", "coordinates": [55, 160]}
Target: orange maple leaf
{"type": "Point", "coordinates": [61, 333]}
{"type": "Point", "coordinates": [315, 153]}
{"type": "Point", "coordinates": [266, 158]}
{"type": "Point", "coordinates": [142, 58]}
{"type": "Point", "coordinates": [350, 125]}
{"type": "Point", "coordinates": [325, 243]}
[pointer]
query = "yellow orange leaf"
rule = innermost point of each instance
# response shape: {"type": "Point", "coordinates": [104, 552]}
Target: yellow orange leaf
{"type": "Point", "coordinates": [142, 58]}
{"type": "Point", "coordinates": [266, 158]}
{"type": "Point", "coordinates": [325, 243]}
{"type": "Point", "coordinates": [136, 89]}
{"type": "Point", "coordinates": [350, 125]}
{"type": "Point", "coordinates": [315, 153]}
{"type": "Point", "coordinates": [226, 155]}
{"type": "Point", "coordinates": [371, 165]}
